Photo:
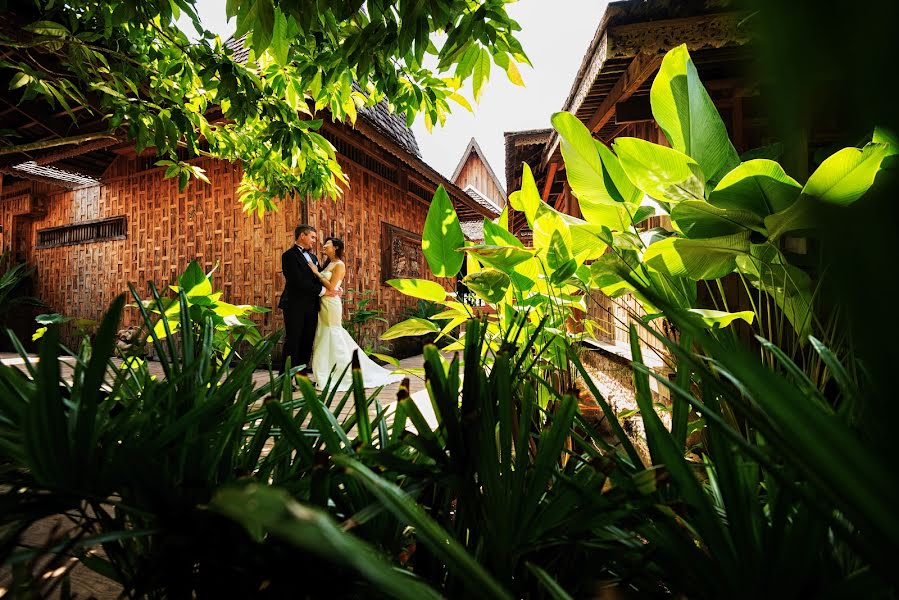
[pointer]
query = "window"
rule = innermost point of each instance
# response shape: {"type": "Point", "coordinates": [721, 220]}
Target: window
{"type": "Point", "coordinates": [401, 254]}
{"type": "Point", "coordinates": [82, 233]}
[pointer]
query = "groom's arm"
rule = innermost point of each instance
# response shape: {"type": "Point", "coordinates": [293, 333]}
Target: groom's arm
{"type": "Point", "coordinates": [298, 277]}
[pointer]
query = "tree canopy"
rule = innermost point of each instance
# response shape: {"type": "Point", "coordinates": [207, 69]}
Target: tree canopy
{"type": "Point", "coordinates": [127, 63]}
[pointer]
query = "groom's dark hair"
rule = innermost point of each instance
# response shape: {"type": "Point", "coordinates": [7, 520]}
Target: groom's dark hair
{"type": "Point", "coordinates": [301, 229]}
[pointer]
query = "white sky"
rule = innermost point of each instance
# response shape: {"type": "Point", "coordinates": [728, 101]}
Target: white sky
{"type": "Point", "coordinates": [555, 35]}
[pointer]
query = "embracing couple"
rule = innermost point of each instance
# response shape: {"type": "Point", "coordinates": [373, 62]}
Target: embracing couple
{"type": "Point", "coordinates": [313, 313]}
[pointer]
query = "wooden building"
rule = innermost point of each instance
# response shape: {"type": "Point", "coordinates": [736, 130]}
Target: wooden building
{"type": "Point", "coordinates": [92, 217]}
{"type": "Point", "coordinates": [475, 177]}
{"type": "Point", "coordinates": [610, 95]}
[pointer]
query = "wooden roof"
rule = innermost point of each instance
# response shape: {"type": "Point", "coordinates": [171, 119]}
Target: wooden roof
{"type": "Point", "coordinates": [617, 71]}
{"type": "Point", "coordinates": [474, 148]}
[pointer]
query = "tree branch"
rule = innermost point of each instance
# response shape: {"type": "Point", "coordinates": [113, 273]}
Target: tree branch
{"type": "Point", "coordinates": [75, 139]}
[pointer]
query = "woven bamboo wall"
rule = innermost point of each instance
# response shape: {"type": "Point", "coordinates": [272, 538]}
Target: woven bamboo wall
{"type": "Point", "coordinates": [166, 228]}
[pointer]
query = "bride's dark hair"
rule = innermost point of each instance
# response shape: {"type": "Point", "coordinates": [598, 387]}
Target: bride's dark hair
{"type": "Point", "coordinates": [338, 248]}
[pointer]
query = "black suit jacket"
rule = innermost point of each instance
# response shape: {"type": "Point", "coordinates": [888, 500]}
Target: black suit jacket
{"type": "Point", "coordinates": [302, 288]}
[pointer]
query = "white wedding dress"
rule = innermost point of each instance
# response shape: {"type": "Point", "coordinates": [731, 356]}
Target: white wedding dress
{"type": "Point", "coordinates": [333, 349]}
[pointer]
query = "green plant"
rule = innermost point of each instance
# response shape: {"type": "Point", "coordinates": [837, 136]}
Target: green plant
{"type": "Point", "coordinates": [142, 466]}
{"type": "Point", "coordinates": [360, 317]}
{"type": "Point", "coordinates": [13, 275]}
{"type": "Point", "coordinates": [152, 83]}
{"type": "Point", "coordinates": [230, 321]}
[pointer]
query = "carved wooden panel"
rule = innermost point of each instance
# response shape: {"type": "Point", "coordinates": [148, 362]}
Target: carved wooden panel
{"type": "Point", "coordinates": [401, 255]}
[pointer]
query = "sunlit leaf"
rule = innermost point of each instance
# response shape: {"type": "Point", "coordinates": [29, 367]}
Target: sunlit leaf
{"type": "Point", "coordinates": [419, 288]}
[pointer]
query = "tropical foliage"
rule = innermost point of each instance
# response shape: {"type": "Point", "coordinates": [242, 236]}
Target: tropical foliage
{"type": "Point", "coordinates": [229, 322]}
{"type": "Point", "coordinates": [195, 483]}
{"type": "Point", "coordinates": [149, 82]}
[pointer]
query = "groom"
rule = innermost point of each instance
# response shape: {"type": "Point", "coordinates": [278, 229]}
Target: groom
{"type": "Point", "coordinates": [300, 299]}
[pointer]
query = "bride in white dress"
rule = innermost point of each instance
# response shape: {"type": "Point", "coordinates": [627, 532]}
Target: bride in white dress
{"type": "Point", "coordinates": [333, 347]}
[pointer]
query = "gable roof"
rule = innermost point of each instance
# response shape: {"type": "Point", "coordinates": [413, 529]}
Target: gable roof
{"type": "Point", "coordinates": [482, 199]}
{"type": "Point", "coordinates": [475, 148]}
{"type": "Point", "coordinates": [378, 116]}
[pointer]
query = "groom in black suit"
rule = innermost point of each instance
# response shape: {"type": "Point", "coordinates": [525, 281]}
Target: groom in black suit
{"type": "Point", "coordinates": [300, 299]}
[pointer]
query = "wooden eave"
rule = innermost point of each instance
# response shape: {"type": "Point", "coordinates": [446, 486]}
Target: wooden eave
{"type": "Point", "coordinates": [624, 58]}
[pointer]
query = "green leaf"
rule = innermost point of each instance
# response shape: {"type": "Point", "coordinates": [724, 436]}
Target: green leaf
{"type": "Point", "coordinates": [844, 177]}
{"type": "Point", "coordinates": [48, 28]}
{"type": "Point", "coordinates": [263, 510]}
{"type": "Point", "coordinates": [760, 186]}
{"type": "Point", "coordinates": [802, 214]}
{"type": "Point", "coordinates": [490, 284]}
{"type": "Point", "coordinates": [194, 281]}
{"type": "Point", "coordinates": [556, 591]}
{"type": "Point", "coordinates": [500, 257]}
{"type": "Point", "coordinates": [662, 173]}
{"type": "Point", "coordinates": [697, 259]}
{"type": "Point", "coordinates": [496, 235]}
{"type": "Point", "coordinates": [52, 319]}
{"type": "Point", "coordinates": [502, 61]}
{"type": "Point", "coordinates": [410, 327]}
{"type": "Point", "coordinates": [280, 46]}
{"type": "Point", "coordinates": [420, 288]}
{"type": "Point", "coordinates": [480, 73]}
{"type": "Point", "coordinates": [885, 136]}
{"type": "Point", "coordinates": [587, 241]}
{"type": "Point", "coordinates": [685, 112]}
{"type": "Point", "coordinates": [718, 318]}
{"type": "Point", "coordinates": [593, 171]}
{"type": "Point", "coordinates": [557, 253]}
{"type": "Point", "coordinates": [444, 546]}
{"type": "Point", "coordinates": [699, 219]}
{"type": "Point", "coordinates": [442, 236]}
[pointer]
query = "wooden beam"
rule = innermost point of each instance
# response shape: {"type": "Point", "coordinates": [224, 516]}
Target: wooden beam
{"type": "Point", "coordinates": [75, 139]}
{"type": "Point", "coordinates": [548, 184]}
{"type": "Point", "coordinates": [76, 151]}
{"type": "Point", "coordinates": [640, 69]}
{"type": "Point", "coordinates": [633, 110]}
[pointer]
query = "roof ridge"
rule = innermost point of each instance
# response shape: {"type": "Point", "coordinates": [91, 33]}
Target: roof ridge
{"type": "Point", "coordinates": [473, 146]}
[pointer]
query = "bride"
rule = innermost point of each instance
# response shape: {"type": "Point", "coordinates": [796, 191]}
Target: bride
{"type": "Point", "coordinates": [333, 347]}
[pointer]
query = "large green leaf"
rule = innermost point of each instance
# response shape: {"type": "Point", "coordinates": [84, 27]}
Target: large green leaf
{"type": "Point", "coordinates": [760, 186]}
{"type": "Point", "coordinates": [490, 284]}
{"type": "Point", "coordinates": [527, 199]}
{"type": "Point", "coordinates": [845, 176]}
{"type": "Point", "coordinates": [719, 318]}
{"type": "Point", "coordinates": [463, 565]}
{"type": "Point", "coordinates": [503, 258]}
{"type": "Point", "coordinates": [410, 327]}
{"type": "Point", "coordinates": [194, 281]}
{"type": "Point", "coordinates": [685, 112]}
{"type": "Point", "coordinates": [802, 214]}
{"type": "Point", "coordinates": [593, 171]}
{"type": "Point", "coordinates": [663, 173]}
{"type": "Point", "coordinates": [558, 253]}
{"type": "Point", "coordinates": [699, 219]}
{"type": "Point", "coordinates": [265, 510]}
{"type": "Point", "coordinates": [420, 288]}
{"type": "Point", "coordinates": [697, 259]}
{"type": "Point", "coordinates": [497, 235]}
{"type": "Point", "coordinates": [442, 236]}
{"type": "Point", "coordinates": [588, 241]}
